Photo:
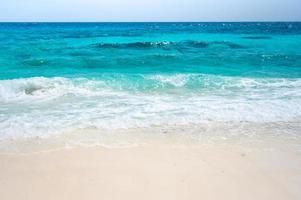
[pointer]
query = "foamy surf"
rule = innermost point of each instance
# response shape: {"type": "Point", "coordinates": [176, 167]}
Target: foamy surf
{"type": "Point", "coordinates": [41, 107]}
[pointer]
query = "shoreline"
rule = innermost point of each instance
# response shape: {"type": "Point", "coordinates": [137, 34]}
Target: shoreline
{"type": "Point", "coordinates": [253, 162]}
{"type": "Point", "coordinates": [244, 134]}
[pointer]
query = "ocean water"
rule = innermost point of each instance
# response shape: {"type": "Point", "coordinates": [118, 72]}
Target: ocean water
{"type": "Point", "coordinates": [64, 77]}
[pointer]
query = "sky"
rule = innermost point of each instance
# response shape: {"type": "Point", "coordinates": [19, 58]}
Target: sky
{"type": "Point", "coordinates": [149, 10]}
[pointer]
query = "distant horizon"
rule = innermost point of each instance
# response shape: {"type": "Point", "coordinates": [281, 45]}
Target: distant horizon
{"type": "Point", "coordinates": [242, 21]}
{"type": "Point", "coordinates": [150, 11]}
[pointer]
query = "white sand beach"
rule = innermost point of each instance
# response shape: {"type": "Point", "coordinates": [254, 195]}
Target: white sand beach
{"type": "Point", "coordinates": [154, 171]}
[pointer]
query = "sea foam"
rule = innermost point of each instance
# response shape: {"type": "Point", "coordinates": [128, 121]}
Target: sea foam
{"type": "Point", "coordinates": [40, 107]}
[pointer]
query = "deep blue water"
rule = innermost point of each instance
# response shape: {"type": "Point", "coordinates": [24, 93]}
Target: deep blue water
{"type": "Point", "coordinates": [57, 77]}
{"type": "Point", "coordinates": [90, 49]}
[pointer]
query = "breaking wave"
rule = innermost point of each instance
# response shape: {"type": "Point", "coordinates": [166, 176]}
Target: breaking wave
{"type": "Point", "coordinates": [42, 106]}
{"type": "Point", "coordinates": [167, 45]}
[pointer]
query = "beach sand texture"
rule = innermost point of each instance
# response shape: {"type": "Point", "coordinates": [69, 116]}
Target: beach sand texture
{"type": "Point", "coordinates": [152, 172]}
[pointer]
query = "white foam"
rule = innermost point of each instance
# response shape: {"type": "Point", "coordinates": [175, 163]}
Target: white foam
{"type": "Point", "coordinates": [39, 107]}
{"type": "Point", "coordinates": [177, 80]}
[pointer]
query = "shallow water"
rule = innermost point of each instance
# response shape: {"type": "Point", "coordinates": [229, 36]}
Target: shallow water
{"type": "Point", "coordinates": [58, 78]}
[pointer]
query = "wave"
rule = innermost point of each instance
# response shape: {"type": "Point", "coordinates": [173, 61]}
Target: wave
{"type": "Point", "coordinates": [257, 37]}
{"type": "Point", "coordinates": [40, 87]}
{"type": "Point", "coordinates": [133, 45]}
{"type": "Point", "coordinates": [42, 106]}
{"type": "Point", "coordinates": [168, 45]}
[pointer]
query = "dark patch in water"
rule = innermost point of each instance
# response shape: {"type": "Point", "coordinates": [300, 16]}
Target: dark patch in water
{"type": "Point", "coordinates": [147, 45]}
{"type": "Point", "coordinates": [135, 45]}
{"type": "Point", "coordinates": [166, 45]}
{"type": "Point", "coordinates": [196, 44]}
{"type": "Point", "coordinates": [257, 37]}
{"type": "Point", "coordinates": [140, 45]}
{"type": "Point", "coordinates": [30, 90]}
{"type": "Point", "coordinates": [229, 44]}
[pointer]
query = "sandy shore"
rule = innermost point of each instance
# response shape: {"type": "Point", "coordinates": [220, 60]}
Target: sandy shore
{"type": "Point", "coordinates": [152, 172]}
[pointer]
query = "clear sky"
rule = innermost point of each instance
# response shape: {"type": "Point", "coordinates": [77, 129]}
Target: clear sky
{"type": "Point", "coordinates": [150, 10]}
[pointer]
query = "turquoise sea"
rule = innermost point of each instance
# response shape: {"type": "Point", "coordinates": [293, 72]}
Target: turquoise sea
{"type": "Point", "coordinates": [63, 77]}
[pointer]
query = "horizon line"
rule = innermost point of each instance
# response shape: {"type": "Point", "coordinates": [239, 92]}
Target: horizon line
{"type": "Point", "coordinates": [239, 21]}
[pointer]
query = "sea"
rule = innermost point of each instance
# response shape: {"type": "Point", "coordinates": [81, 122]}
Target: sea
{"type": "Point", "coordinates": [60, 78]}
